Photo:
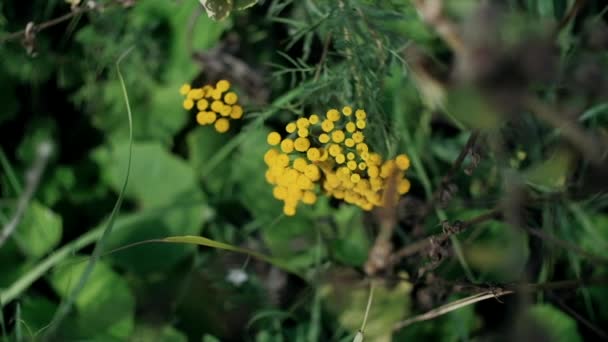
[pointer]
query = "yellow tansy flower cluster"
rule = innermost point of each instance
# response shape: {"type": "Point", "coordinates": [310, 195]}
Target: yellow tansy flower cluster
{"type": "Point", "coordinates": [331, 152]}
{"type": "Point", "coordinates": [216, 105]}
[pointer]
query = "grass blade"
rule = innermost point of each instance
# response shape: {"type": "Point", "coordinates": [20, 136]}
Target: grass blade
{"type": "Point", "coordinates": [10, 174]}
{"type": "Point", "coordinates": [2, 324]}
{"type": "Point", "coordinates": [203, 241]}
{"type": "Point", "coordinates": [65, 306]}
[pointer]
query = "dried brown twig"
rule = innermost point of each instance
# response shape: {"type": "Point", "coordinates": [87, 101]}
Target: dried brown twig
{"type": "Point", "coordinates": [431, 11]}
{"type": "Point", "coordinates": [496, 292]}
{"type": "Point", "coordinates": [449, 229]}
{"type": "Point", "coordinates": [32, 28]}
{"type": "Point", "coordinates": [33, 176]}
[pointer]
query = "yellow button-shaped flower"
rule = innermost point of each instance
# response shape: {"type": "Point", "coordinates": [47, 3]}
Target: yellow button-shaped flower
{"type": "Point", "coordinates": [201, 118]}
{"type": "Point", "coordinates": [312, 172]}
{"type": "Point", "coordinates": [222, 85]}
{"type": "Point", "coordinates": [230, 98]}
{"type": "Point", "coordinates": [334, 150]}
{"type": "Point", "coordinates": [291, 127]}
{"type": "Point", "coordinates": [211, 117]}
{"type": "Point", "coordinates": [403, 186]}
{"type": "Point", "coordinates": [327, 125]}
{"type": "Point", "coordinates": [216, 94]}
{"type": "Point", "coordinates": [188, 104]}
{"type": "Point", "coordinates": [225, 111]}
{"type": "Point", "coordinates": [358, 137]}
{"type": "Point", "coordinates": [274, 138]}
{"type": "Point", "coordinates": [403, 162]}
{"type": "Point", "coordinates": [303, 132]}
{"type": "Point", "coordinates": [337, 136]}
{"type": "Point", "coordinates": [282, 160]}
{"type": "Point", "coordinates": [333, 115]}
{"type": "Point", "coordinates": [324, 138]}
{"type": "Point", "coordinates": [301, 144]}
{"type": "Point", "coordinates": [300, 164]}
{"type": "Point", "coordinates": [202, 104]}
{"type": "Point", "coordinates": [347, 111]}
{"type": "Point", "coordinates": [287, 145]}
{"type": "Point", "coordinates": [184, 89]}
{"type": "Point", "coordinates": [313, 154]}
{"type": "Point", "coordinates": [314, 119]}
{"type": "Point", "coordinates": [222, 125]}
{"type": "Point", "coordinates": [373, 171]}
{"type": "Point", "coordinates": [289, 210]}
{"type": "Point", "coordinates": [360, 114]}
{"type": "Point", "coordinates": [270, 156]}
{"type": "Point", "coordinates": [309, 197]}
{"type": "Point", "coordinates": [279, 192]}
{"type": "Point", "coordinates": [340, 158]}
{"type": "Point", "coordinates": [217, 106]}
{"type": "Point", "coordinates": [302, 123]}
{"type": "Point", "coordinates": [196, 94]}
{"type": "Point", "coordinates": [361, 124]}
{"type": "Point", "coordinates": [351, 127]}
{"type": "Point", "coordinates": [236, 112]}
{"type": "Point", "coordinates": [352, 165]}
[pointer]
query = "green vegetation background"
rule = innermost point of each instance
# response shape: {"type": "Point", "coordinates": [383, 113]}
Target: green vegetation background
{"type": "Point", "coordinates": [188, 180]}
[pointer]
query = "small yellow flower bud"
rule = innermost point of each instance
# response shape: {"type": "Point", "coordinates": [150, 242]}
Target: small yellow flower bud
{"type": "Point", "coordinates": [222, 125]}
{"type": "Point", "coordinates": [273, 138]}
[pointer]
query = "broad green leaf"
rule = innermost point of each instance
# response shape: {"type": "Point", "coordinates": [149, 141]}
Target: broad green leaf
{"type": "Point", "coordinates": [39, 232]}
{"type": "Point", "coordinates": [556, 325]}
{"type": "Point", "coordinates": [203, 143]}
{"type": "Point", "coordinates": [158, 179]}
{"type": "Point", "coordinates": [210, 338]}
{"type": "Point", "coordinates": [351, 246]}
{"type": "Point", "coordinates": [244, 4]}
{"type": "Point", "coordinates": [217, 9]}
{"type": "Point", "coordinates": [500, 252]}
{"type": "Point", "coordinates": [347, 298]}
{"type": "Point", "coordinates": [248, 173]}
{"type": "Point", "coordinates": [104, 306]}
{"type": "Point", "coordinates": [471, 108]}
{"type": "Point", "coordinates": [37, 311]}
{"type": "Point", "coordinates": [149, 332]}
{"type": "Point", "coordinates": [157, 176]}
{"type": "Point", "coordinates": [551, 174]}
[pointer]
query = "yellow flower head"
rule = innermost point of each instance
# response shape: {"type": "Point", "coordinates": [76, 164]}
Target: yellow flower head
{"type": "Point", "coordinates": [230, 98]}
{"type": "Point", "coordinates": [222, 85]}
{"type": "Point", "coordinates": [301, 144]}
{"type": "Point", "coordinates": [403, 162]}
{"type": "Point", "coordinates": [273, 138]}
{"type": "Point", "coordinates": [333, 115]}
{"type": "Point", "coordinates": [184, 89]}
{"type": "Point", "coordinates": [354, 173]}
{"type": "Point", "coordinates": [210, 98]}
{"type": "Point", "coordinates": [236, 112]}
{"type": "Point", "coordinates": [327, 125]}
{"type": "Point", "coordinates": [287, 145]}
{"type": "Point", "coordinates": [188, 104]}
{"type": "Point", "coordinates": [337, 136]}
{"type": "Point", "coordinates": [222, 125]}
{"type": "Point", "coordinates": [291, 127]}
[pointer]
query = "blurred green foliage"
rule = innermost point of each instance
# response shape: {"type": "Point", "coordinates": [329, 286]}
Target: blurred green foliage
{"type": "Point", "coordinates": [189, 180]}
